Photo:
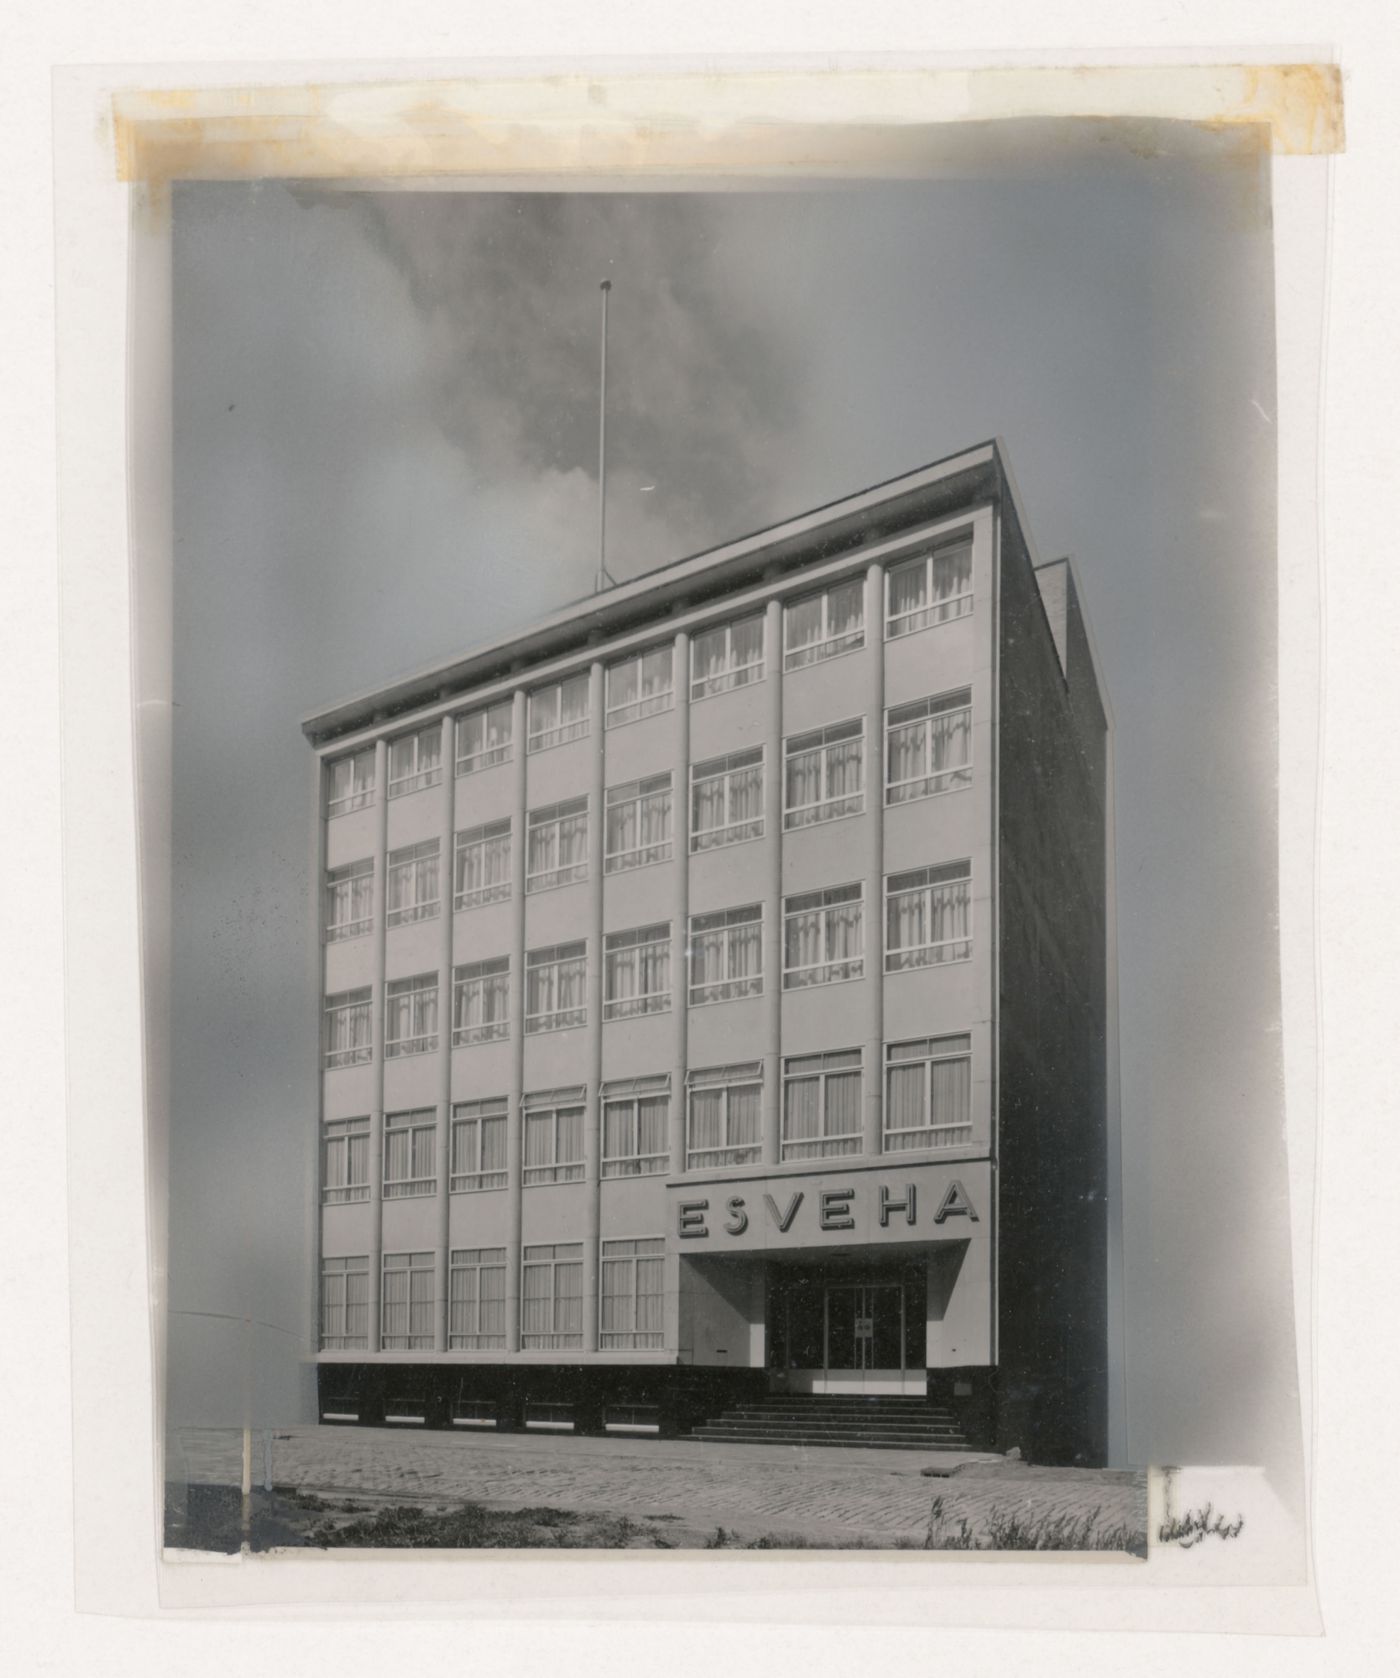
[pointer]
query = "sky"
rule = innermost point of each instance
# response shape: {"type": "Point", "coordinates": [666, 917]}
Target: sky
{"type": "Point", "coordinates": [385, 420]}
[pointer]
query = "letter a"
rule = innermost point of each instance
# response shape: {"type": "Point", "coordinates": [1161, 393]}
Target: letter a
{"type": "Point", "coordinates": [955, 1204]}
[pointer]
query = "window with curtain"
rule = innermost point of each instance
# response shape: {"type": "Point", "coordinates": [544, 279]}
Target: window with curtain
{"type": "Point", "coordinates": [554, 1136]}
{"type": "Point", "coordinates": [637, 972]}
{"type": "Point", "coordinates": [821, 1105]}
{"type": "Point", "coordinates": [824, 774]}
{"type": "Point", "coordinates": [406, 1313]}
{"type": "Point", "coordinates": [631, 1294]}
{"type": "Point", "coordinates": [928, 1094]}
{"type": "Point", "coordinates": [410, 1015]}
{"type": "Point", "coordinates": [821, 625]}
{"type": "Point", "coordinates": [350, 782]}
{"type": "Point", "coordinates": [928, 916]}
{"type": "Point", "coordinates": [724, 1115]}
{"type": "Point", "coordinates": [636, 1127]}
{"type": "Point", "coordinates": [481, 1001]}
{"type": "Point", "coordinates": [638, 823]}
{"type": "Point", "coordinates": [348, 1028]}
{"type": "Point", "coordinates": [485, 737]}
{"type": "Point", "coordinates": [726, 800]}
{"type": "Point", "coordinates": [726, 955]}
{"type": "Point", "coordinates": [479, 1145]}
{"type": "Point", "coordinates": [412, 893]}
{"type": "Point", "coordinates": [823, 937]}
{"type": "Point", "coordinates": [558, 845]}
{"type": "Point", "coordinates": [410, 1148]}
{"type": "Point", "coordinates": [415, 761]}
{"type": "Point", "coordinates": [728, 657]}
{"type": "Point", "coordinates": [476, 1299]}
{"type": "Point", "coordinates": [349, 900]}
{"type": "Point", "coordinates": [551, 1297]}
{"type": "Point", "coordinates": [481, 865]}
{"type": "Point", "coordinates": [558, 712]}
{"type": "Point", "coordinates": [933, 588]}
{"type": "Point", "coordinates": [345, 1304]}
{"type": "Point", "coordinates": [928, 747]}
{"type": "Point", "coordinates": [556, 987]}
{"type": "Point", "coordinates": [640, 686]}
{"type": "Point", "coordinates": [345, 1160]}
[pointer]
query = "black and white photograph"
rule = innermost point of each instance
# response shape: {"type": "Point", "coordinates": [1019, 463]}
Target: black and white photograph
{"type": "Point", "coordinates": [722, 882]}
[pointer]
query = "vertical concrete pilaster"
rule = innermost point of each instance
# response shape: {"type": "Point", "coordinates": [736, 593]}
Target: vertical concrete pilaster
{"type": "Point", "coordinates": [376, 1026]}
{"type": "Point", "coordinates": [873, 1072]}
{"type": "Point", "coordinates": [773, 895]}
{"type": "Point", "coordinates": [514, 1116]}
{"type": "Point", "coordinates": [442, 1152]}
{"type": "Point", "coordinates": [593, 1111]}
{"type": "Point", "coordinates": [680, 899]}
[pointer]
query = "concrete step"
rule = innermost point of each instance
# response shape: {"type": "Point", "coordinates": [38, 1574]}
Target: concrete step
{"type": "Point", "coordinates": [888, 1424]}
{"type": "Point", "coordinates": [779, 1436]}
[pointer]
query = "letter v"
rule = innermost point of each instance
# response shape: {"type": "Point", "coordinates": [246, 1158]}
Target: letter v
{"type": "Point", "coordinates": [783, 1219]}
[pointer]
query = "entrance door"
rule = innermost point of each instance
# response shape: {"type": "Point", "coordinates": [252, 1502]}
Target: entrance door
{"type": "Point", "coordinates": [865, 1337]}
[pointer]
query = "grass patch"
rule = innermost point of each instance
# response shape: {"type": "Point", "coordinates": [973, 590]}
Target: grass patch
{"type": "Point", "coordinates": [471, 1527]}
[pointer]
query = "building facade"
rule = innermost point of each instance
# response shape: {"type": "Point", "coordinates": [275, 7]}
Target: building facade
{"type": "Point", "coordinates": [714, 994]}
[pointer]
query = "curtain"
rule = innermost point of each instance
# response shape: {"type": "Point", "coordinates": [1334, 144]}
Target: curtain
{"type": "Point", "coordinates": [617, 1296]}
{"type": "Point", "coordinates": [845, 768]}
{"type": "Point", "coordinates": [804, 624]}
{"type": "Point", "coordinates": [573, 839]}
{"type": "Point", "coordinates": [652, 1114]}
{"type": "Point", "coordinates": [544, 840]}
{"type": "Point", "coordinates": [493, 1144]}
{"type": "Point", "coordinates": [544, 711]}
{"type": "Point", "coordinates": [843, 1104]}
{"type": "Point", "coordinates": [395, 1303]}
{"type": "Point", "coordinates": [621, 975]}
{"type": "Point", "coordinates": [420, 1303]}
{"type": "Point", "coordinates": [746, 642]}
{"type": "Point", "coordinates": [843, 932]}
{"type": "Point", "coordinates": [622, 827]}
{"type": "Point", "coordinates": [650, 1297]}
{"type": "Point", "coordinates": [400, 887]}
{"type": "Point", "coordinates": [654, 962]}
{"type": "Point", "coordinates": [398, 1025]}
{"type": "Point", "coordinates": [570, 1148]}
{"type": "Point", "coordinates": [401, 759]}
{"type": "Point", "coordinates": [746, 950]}
{"type": "Point", "coordinates": [708, 804]}
{"type": "Point", "coordinates": [708, 655]}
{"type": "Point", "coordinates": [950, 912]}
{"type": "Point", "coordinates": [465, 1301]}
{"type": "Point", "coordinates": [568, 1298]}
{"type": "Point", "coordinates": [907, 921]}
{"type": "Point", "coordinates": [357, 1160]}
{"type": "Point", "coordinates": [845, 610]}
{"type": "Point", "coordinates": [573, 698]}
{"type": "Point", "coordinates": [426, 871]}
{"type": "Point", "coordinates": [952, 1092]}
{"type": "Point", "coordinates": [906, 751]}
{"type": "Point", "coordinates": [905, 1109]}
{"type": "Point", "coordinates": [952, 739]}
{"type": "Point", "coordinates": [619, 1130]}
{"type": "Point", "coordinates": [571, 983]}
{"type": "Point", "coordinates": [398, 1165]}
{"type": "Point", "coordinates": [656, 819]}
{"type": "Point", "coordinates": [745, 1102]}
{"type": "Point", "coordinates": [539, 1139]}
{"type": "Point", "coordinates": [535, 1312]}
{"type": "Point", "coordinates": [952, 573]}
{"type": "Point", "coordinates": [356, 1304]}
{"type": "Point", "coordinates": [802, 946]}
{"type": "Point", "coordinates": [706, 1120]}
{"type": "Point", "coordinates": [539, 992]}
{"type": "Point", "coordinates": [907, 588]}
{"type": "Point", "coordinates": [424, 1012]}
{"type": "Point", "coordinates": [804, 779]}
{"type": "Point", "coordinates": [746, 794]}
{"type": "Point", "coordinates": [802, 1110]}
{"type": "Point", "coordinates": [623, 680]}
{"type": "Point", "coordinates": [656, 673]}
{"type": "Point", "coordinates": [706, 959]}
{"type": "Point", "coordinates": [492, 1291]}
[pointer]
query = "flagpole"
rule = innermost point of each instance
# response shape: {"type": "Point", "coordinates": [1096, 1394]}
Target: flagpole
{"type": "Point", "coordinates": [603, 578]}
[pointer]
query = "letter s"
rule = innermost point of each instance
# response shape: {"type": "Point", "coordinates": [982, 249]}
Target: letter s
{"type": "Point", "coordinates": [739, 1218]}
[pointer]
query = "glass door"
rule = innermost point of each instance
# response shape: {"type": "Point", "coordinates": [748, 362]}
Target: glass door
{"type": "Point", "coordinates": [865, 1326]}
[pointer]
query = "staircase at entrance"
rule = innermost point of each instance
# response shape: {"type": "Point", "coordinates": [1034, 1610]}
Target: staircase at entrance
{"type": "Point", "coordinates": [888, 1423]}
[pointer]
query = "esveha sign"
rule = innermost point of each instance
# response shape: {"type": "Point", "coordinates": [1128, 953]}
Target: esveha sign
{"type": "Point", "coordinates": [900, 1204]}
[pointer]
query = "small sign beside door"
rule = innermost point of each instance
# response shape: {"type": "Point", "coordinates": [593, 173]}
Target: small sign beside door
{"type": "Point", "coordinates": [865, 1328]}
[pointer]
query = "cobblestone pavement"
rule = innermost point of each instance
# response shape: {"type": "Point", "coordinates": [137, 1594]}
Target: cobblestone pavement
{"type": "Point", "coordinates": [822, 1493]}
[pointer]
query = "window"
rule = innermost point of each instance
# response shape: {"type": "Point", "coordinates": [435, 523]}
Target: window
{"type": "Point", "coordinates": [728, 657]}
{"type": "Point", "coordinates": [410, 1151]}
{"type": "Point", "coordinates": [485, 737]}
{"type": "Point", "coordinates": [555, 980]}
{"type": "Point", "coordinates": [823, 937]}
{"type": "Point", "coordinates": [558, 852]}
{"type": "Point", "coordinates": [638, 823]}
{"type": "Point", "coordinates": [822, 625]}
{"type": "Point", "coordinates": [637, 972]}
{"type": "Point", "coordinates": [481, 1001]}
{"type": "Point", "coordinates": [722, 1125]}
{"type": "Point", "coordinates": [350, 782]}
{"type": "Point", "coordinates": [476, 1299]}
{"type": "Point", "coordinates": [631, 1294]}
{"type": "Point", "coordinates": [345, 1304]}
{"type": "Point", "coordinates": [349, 900]}
{"type": "Point", "coordinates": [928, 916]}
{"type": "Point", "coordinates": [554, 1136]}
{"type": "Point", "coordinates": [551, 1297]}
{"type": "Point", "coordinates": [344, 1160]}
{"type": "Point", "coordinates": [931, 589]}
{"type": "Point", "coordinates": [413, 884]}
{"type": "Point", "coordinates": [726, 800]}
{"type": "Point", "coordinates": [348, 1028]}
{"type": "Point", "coordinates": [824, 774]}
{"type": "Point", "coordinates": [479, 1145]}
{"type": "Point", "coordinates": [410, 1016]}
{"type": "Point", "coordinates": [928, 1093]}
{"type": "Point", "coordinates": [407, 1311]}
{"type": "Point", "coordinates": [636, 1127]}
{"type": "Point", "coordinates": [640, 686]}
{"type": "Point", "coordinates": [726, 954]}
{"type": "Point", "coordinates": [415, 761]}
{"type": "Point", "coordinates": [929, 747]}
{"type": "Point", "coordinates": [559, 712]}
{"type": "Point", "coordinates": [821, 1105]}
{"type": "Point", "coordinates": [481, 865]}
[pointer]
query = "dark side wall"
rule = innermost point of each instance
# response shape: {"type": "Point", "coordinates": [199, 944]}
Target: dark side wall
{"type": "Point", "coordinates": [1052, 1107]}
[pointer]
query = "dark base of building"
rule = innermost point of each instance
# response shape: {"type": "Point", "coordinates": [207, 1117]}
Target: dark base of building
{"type": "Point", "coordinates": [668, 1401]}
